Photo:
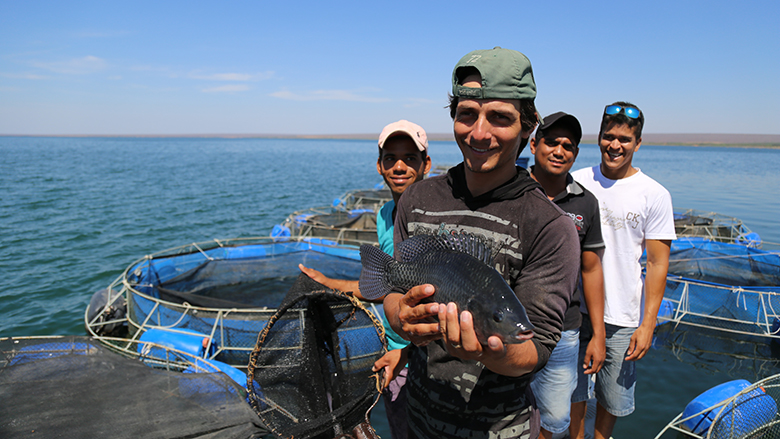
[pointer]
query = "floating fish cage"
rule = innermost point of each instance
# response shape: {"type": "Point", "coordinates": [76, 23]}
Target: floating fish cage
{"type": "Point", "coordinates": [714, 226]}
{"type": "Point", "coordinates": [210, 299]}
{"type": "Point", "coordinates": [726, 287]}
{"type": "Point", "coordinates": [353, 227]}
{"type": "Point", "coordinates": [732, 410]}
{"type": "Point", "coordinates": [370, 199]}
{"type": "Point", "coordinates": [76, 387]}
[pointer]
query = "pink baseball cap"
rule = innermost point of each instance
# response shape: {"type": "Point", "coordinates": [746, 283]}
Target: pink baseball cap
{"type": "Point", "coordinates": [408, 128]}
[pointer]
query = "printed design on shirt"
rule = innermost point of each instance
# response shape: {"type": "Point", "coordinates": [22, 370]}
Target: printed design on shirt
{"type": "Point", "coordinates": [610, 219]}
{"type": "Point", "coordinates": [579, 220]}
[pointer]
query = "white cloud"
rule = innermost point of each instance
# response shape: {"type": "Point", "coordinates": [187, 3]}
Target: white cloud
{"type": "Point", "coordinates": [227, 88]}
{"type": "Point", "coordinates": [327, 95]}
{"type": "Point", "coordinates": [23, 76]}
{"type": "Point", "coordinates": [233, 76]}
{"type": "Point", "coordinates": [75, 66]}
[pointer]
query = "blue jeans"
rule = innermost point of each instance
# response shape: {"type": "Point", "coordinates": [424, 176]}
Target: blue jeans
{"type": "Point", "coordinates": [554, 384]}
{"type": "Point", "coordinates": [614, 385]}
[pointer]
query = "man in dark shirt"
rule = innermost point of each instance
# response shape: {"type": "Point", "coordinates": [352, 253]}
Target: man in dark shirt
{"type": "Point", "coordinates": [458, 387]}
{"type": "Point", "coordinates": [555, 147]}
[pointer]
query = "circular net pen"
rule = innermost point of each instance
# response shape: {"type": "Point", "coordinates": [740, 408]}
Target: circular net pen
{"type": "Point", "coordinates": [211, 299]}
{"type": "Point", "coordinates": [370, 199]}
{"type": "Point", "coordinates": [310, 374]}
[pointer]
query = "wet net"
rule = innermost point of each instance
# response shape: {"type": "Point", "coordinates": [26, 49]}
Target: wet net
{"type": "Point", "coordinates": [724, 286]}
{"type": "Point", "coordinates": [310, 372]}
{"type": "Point", "coordinates": [74, 387]}
{"type": "Point", "coordinates": [733, 410]}
{"type": "Point", "coordinates": [714, 227]}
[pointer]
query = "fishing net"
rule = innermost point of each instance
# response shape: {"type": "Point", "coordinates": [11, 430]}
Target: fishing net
{"type": "Point", "coordinates": [714, 227]}
{"type": "Point", "coordinates": [309, 375]}
{"type": "Point", "coordinates": [752, 413]}
{"type": "Point", "coordinates": [724, 286]}
{"type": "Point", "coordinates": [74, 387]}
{"type": "Point", "coordinates": [364, 198]}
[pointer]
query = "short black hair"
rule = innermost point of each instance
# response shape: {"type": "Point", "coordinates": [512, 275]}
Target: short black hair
{"type": "Point", "coordinates": [621, 118]}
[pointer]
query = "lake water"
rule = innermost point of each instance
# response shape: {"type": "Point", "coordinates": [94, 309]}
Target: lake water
{"type": "Point", "coordinates": [75, 212]}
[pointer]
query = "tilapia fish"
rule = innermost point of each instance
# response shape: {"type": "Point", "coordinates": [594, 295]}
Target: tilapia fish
{"type": "Point", "coordinates": [459, 266]}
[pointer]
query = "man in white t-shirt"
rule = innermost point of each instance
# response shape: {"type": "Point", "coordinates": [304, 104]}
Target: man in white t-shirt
{"type": "Point", "coordinates": [636, 215]}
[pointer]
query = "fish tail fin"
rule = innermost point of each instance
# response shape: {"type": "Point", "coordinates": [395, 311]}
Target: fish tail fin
{"type": "Point", "coordinates": [373, 277]}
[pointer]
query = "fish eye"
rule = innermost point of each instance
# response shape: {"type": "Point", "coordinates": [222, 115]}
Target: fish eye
{"type": "Point", "coordinates": [498, 315]}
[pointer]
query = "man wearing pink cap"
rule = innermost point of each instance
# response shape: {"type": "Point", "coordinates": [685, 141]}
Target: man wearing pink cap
{"type": "Point", "coordinates": [403, 160]}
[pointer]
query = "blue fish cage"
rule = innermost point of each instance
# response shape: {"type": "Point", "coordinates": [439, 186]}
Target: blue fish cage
{"type": "Point", "coordinates": [212, 299]}
{"type": "Point", "coordinates": [723, 286]}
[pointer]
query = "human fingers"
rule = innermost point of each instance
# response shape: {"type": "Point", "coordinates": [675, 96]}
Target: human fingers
{"type": "Point", "coordinates": [312, 273]}
{"type": "Point", "coordinates": [411, 308]}
{"type": "Point", "coordinates": [449, 325]}
{"type": "Point", "coordinates": [587, 364]}
{"type": "Point", "coordinates": [417, 294]}
{"type": "Point", "coordinates": [632, 349]}
{"type": "Point", "coordinates": [598, 355]}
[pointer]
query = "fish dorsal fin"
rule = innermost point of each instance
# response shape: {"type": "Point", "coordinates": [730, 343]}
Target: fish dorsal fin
{"type": "Point", "coordinates": [476, 246]}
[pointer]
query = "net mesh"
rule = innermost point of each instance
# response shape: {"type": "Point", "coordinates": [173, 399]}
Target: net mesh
{"type": "Point", "coordinates": [724, 286]}
{"type": "Point", "coordinates": [750, 414]}
{"type": "Point", "coordinates": [310, 370]}
{"type": "Point", "coordinates": [74, 387]}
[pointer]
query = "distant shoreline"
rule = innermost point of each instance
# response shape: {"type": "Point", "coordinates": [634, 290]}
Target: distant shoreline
{"type": "Point", "coordinates": [725, 140]}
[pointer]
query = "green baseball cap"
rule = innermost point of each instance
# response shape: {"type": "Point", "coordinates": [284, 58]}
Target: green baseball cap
{"type": "Point", "coordinates": [506, 74]}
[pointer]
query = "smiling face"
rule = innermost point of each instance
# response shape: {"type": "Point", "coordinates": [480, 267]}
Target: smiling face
{"type": "Point", "coordinates": [400, 163]}
{"type": "Point", "coordinates": [618, 143]}
{"type": "Point", "coordinates": [555, 152]}
{"type": "Point", "coordinates": [488, 133]}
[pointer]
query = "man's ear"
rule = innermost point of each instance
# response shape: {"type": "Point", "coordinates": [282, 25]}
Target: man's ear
{"type": "Point", "coordinates": [428, 164]}
{"type": "Point", "coordinates": [532, 144]}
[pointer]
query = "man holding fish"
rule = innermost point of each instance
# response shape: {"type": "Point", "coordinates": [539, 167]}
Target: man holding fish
{"type": "Point", "coordinates": [465, 381]}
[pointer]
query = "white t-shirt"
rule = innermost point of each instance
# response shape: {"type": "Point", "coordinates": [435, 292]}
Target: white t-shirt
{"type": "Point", "coordinates": [633, 210]}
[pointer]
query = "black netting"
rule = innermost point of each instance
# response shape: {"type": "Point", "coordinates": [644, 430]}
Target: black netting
{"type": "Point", "coordinates": [354, 227]}
{"type": "Point", "coordinates": [251, 282]}
{"type": "Point", "coordinates": [746, 268]}
{"type": "Point", "coordinates": [311, 368]}
{"type": "Point", "coordinates": [73, 387]}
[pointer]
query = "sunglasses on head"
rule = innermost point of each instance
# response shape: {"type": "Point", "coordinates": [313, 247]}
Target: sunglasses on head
{"type": "Point", "coordinates": [631, 112]}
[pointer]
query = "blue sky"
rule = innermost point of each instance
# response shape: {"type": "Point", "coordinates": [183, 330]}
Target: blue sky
{"type": "Point", "coordinates": [187, 67]}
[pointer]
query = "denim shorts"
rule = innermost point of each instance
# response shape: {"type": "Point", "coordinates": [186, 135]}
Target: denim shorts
{"type": "Point", "coordinates": [613, 387]}
{"type": "Point", "coordinates": [554, 384]}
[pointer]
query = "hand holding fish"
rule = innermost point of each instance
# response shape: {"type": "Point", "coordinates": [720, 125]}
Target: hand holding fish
{"type": "Point", "coordinates": [416, 320]}
{"type": "Point", "coordinates": [461, 339]}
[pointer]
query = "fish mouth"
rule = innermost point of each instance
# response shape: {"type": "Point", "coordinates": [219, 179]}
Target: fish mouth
{"type": "Point", "coordinates": [523, 336]}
